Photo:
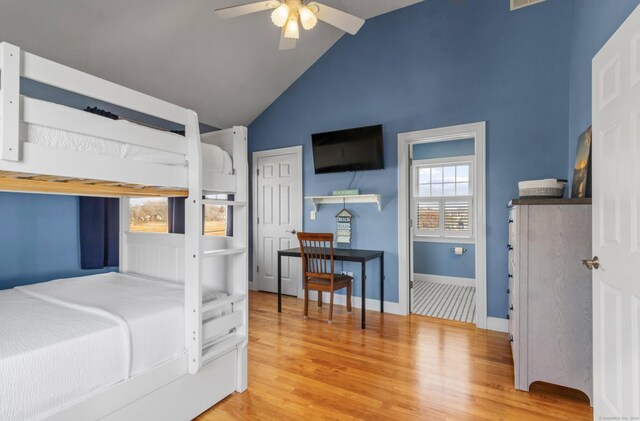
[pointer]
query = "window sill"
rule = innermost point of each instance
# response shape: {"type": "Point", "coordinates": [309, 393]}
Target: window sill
{"type": "Point", "coordinates": [459, 240]}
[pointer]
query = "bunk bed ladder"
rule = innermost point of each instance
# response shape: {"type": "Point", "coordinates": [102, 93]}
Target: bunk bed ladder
{"type": "Point", "coordinates": [240, 265]}
{"type": "Point", "coordinates": [193, 247]}
{"type": "Point", "coordinates": [209, 336]}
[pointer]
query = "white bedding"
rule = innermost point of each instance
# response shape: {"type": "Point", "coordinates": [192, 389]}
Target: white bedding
{"type": "Point", "coordinates": [65, 339]}
{"type": "Point", "coordinates": [214, 159]}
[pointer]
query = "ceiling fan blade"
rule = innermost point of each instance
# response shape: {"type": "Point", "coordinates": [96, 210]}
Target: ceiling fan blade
{"type": "Point", "coordinates": [286, 43]}
{"type": "Point", "coordinates": [245, 9]}
{"type": "Point", "coordinates": [338, 18]}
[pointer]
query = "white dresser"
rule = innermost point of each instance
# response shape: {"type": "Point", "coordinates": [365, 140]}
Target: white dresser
{"type": "Point", "coordinates": [550, 292]}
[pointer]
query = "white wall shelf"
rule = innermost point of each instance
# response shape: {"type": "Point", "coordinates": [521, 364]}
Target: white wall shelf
{"type": "Point", "coordinates": [339, 200]}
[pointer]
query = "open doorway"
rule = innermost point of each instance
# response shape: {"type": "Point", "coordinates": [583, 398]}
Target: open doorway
{"type": "Point", "coordinates": [441, 205]}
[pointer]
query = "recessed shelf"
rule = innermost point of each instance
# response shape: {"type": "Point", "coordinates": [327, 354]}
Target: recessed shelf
{"type": "Point", "coordinates": [339, 200]}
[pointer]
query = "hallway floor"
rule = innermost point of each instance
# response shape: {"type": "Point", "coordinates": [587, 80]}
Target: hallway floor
{"type": "Point", "coordinates": [444, 301]}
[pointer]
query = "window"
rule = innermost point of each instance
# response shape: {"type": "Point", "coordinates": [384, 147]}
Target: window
{"type": "Point", "coordinates": [443, 197]}
{"type": "Point", "coordinates": [153, 215]}
{"type": "Point", "coordinates": [149, 214]}
{"type": "Point", "coordinates": [215, 217]}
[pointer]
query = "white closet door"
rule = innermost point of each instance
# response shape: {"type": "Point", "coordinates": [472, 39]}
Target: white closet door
{"type": "Point", "coordinates": [279, 218]}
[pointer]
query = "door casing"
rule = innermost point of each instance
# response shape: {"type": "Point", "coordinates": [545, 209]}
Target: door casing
{"type": "Point", "coordinates": [463, 131]}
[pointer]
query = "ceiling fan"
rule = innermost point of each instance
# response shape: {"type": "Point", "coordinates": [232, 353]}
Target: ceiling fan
{"type": "Point", "coordinates": [287, 13]}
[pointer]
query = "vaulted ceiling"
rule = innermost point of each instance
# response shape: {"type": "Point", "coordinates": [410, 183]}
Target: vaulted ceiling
{"type": "Point", "coordinates": [229, 71]}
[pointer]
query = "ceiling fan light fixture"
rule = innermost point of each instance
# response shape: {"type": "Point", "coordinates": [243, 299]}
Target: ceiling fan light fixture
{"type": "Point", "coordinates": [280, 15]}
{"type": "Point", "coordinates": [292, 30]}
{"type": "Point", "coordinates": [307, 18]}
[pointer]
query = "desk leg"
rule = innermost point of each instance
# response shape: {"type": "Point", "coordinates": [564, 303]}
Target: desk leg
{"type": "Point", "coordinates": [382, 283]}
{"type": "Point", "coordinates": [279, 283]}
{"type": "Point", "coordinates": [364, 295]}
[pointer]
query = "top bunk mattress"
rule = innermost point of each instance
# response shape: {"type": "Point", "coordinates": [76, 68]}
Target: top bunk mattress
{"type": "Point", "coordinates": [214, 159]}
{"type": "Point", "coordinates": [67, 339]}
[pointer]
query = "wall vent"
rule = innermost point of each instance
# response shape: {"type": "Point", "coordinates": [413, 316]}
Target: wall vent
{"type": "Point", "coordinates": [519, 4]}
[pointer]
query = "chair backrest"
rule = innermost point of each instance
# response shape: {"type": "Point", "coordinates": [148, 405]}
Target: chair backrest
{"type": "Point", "coordinates": [316, 250]}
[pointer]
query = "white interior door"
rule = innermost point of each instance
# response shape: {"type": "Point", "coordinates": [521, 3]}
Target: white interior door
{"type": "Point", "coordinates": [278, 209]}
{"type": "Point", "coordinates": [616, 224]}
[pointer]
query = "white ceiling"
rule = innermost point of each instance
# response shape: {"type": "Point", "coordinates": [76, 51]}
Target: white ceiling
{"type": "Point", "coordinates": [229, 71]}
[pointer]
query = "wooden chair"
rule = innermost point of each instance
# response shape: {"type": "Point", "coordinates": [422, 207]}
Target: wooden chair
{"type": "Point", "coordinates": [317, 270]}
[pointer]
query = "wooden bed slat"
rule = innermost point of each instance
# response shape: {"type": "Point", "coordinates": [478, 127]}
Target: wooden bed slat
{"type": "Point", "coordinates": [18, 182]}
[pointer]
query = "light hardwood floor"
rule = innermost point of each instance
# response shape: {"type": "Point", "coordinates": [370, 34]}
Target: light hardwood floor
{"type": "Point", "coordinates": [399, 368]}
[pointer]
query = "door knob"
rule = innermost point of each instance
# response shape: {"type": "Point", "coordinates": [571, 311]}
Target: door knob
{"type": "Point", "coordinates": [592, 264]}
{"type": "Point", "coordinates": [294, 232]}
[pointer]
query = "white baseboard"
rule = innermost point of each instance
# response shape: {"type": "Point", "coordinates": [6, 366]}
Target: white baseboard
{"type": "Point", "coordinates": [253, 286]}
{"type": "Point", "coordinates": [448, 280]}
{"type": "Point", "coordinates": [356, 302]}
{"type": "Point", "coordinates": [497, 324]}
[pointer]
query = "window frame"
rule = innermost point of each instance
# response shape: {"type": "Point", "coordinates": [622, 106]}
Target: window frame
{"type": "Point", "coordinates": [441, 234]}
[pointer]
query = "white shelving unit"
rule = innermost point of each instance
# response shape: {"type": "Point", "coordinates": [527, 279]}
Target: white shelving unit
{"type": "Point", "coordinates": [339, 200]}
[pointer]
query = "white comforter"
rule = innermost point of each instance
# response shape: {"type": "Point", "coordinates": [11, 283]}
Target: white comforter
{"type": "Point", "coordinates": [63, 340]}
{"type": "Point", "coordinates": [214, 159]}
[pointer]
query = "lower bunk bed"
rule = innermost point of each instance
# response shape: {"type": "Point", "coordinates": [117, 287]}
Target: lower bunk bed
{"type": "Point", "coordinates": [110, 346]}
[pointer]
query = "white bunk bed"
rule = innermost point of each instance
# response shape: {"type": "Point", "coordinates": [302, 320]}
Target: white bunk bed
{"type": "Point", "coordinates": [199, 282]}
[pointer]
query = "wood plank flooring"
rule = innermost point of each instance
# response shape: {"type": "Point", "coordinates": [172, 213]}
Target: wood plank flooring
{"type": "Point", "coordinates": [399, 368]}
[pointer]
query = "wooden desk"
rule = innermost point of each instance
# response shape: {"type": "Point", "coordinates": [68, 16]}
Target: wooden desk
{"type": "Point", "coordinates": [341, 255]}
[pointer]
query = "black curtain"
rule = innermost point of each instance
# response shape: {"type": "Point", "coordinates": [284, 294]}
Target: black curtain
{"type": "Point", "coordinates": [176, 215]}
{"type": "Point", "coordinates": [230, 216]}
{"type": "Point", "coordinates": [99, 232]}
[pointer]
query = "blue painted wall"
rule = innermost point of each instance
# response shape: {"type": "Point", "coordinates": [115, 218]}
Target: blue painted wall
{"type": "Point", "coordinates": [40, 239]}
{"type": "Point", "coordinates": [593, 23]}
{"type": "Point", "coordinates": [433, 258]}
{"type": "Point", "coordinates": [462, 147]}
{"type": "Point", "coordinates": [438, 259]}
{"type": "Point", "coordinates": [437, 63]}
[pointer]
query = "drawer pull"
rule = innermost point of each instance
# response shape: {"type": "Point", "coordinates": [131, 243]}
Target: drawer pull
{"type": "Point", "coordinates": [508, 317]}
{"type": "Point", "coordinates": [510, 338]}
{"type": "Point", "coordinates": [508, 291]}
{"type": "Point", "coordinates": [511, 307]}
{"type": "Point", "coordinates": [509, 276]}
{"type": "Point", "coordinates": [511, 221]}
{"type": "Point", "coordinates": [509, 247]}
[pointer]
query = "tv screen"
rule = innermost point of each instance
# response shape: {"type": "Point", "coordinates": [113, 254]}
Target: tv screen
{"type": "Point", "coordinates": [357, 149]}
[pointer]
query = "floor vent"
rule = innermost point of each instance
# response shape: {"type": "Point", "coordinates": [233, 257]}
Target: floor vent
{"type": "Point", "coordinates": [519, 4]}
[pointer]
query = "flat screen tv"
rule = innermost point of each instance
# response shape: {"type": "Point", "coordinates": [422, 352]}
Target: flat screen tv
{"type": "Point", "coordinates": [357, 149]}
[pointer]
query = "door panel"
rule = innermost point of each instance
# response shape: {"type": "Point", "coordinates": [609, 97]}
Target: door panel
{"type": "Point", "coordinates": [616, 223]}
{"type": "Point", "coordinates": [612, 341]}
{"type": "Point", "coordinates": [279, 215]}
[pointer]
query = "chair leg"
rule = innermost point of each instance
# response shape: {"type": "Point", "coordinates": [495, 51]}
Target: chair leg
{"type": "Point", "coordinates": [349, 297]}
{"type": "Point", "coordinates": [306, 302]}
{"type": "Point", "coordinates": [319, 298]}
{"type": "Point", "coordinates": [331, 308]}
